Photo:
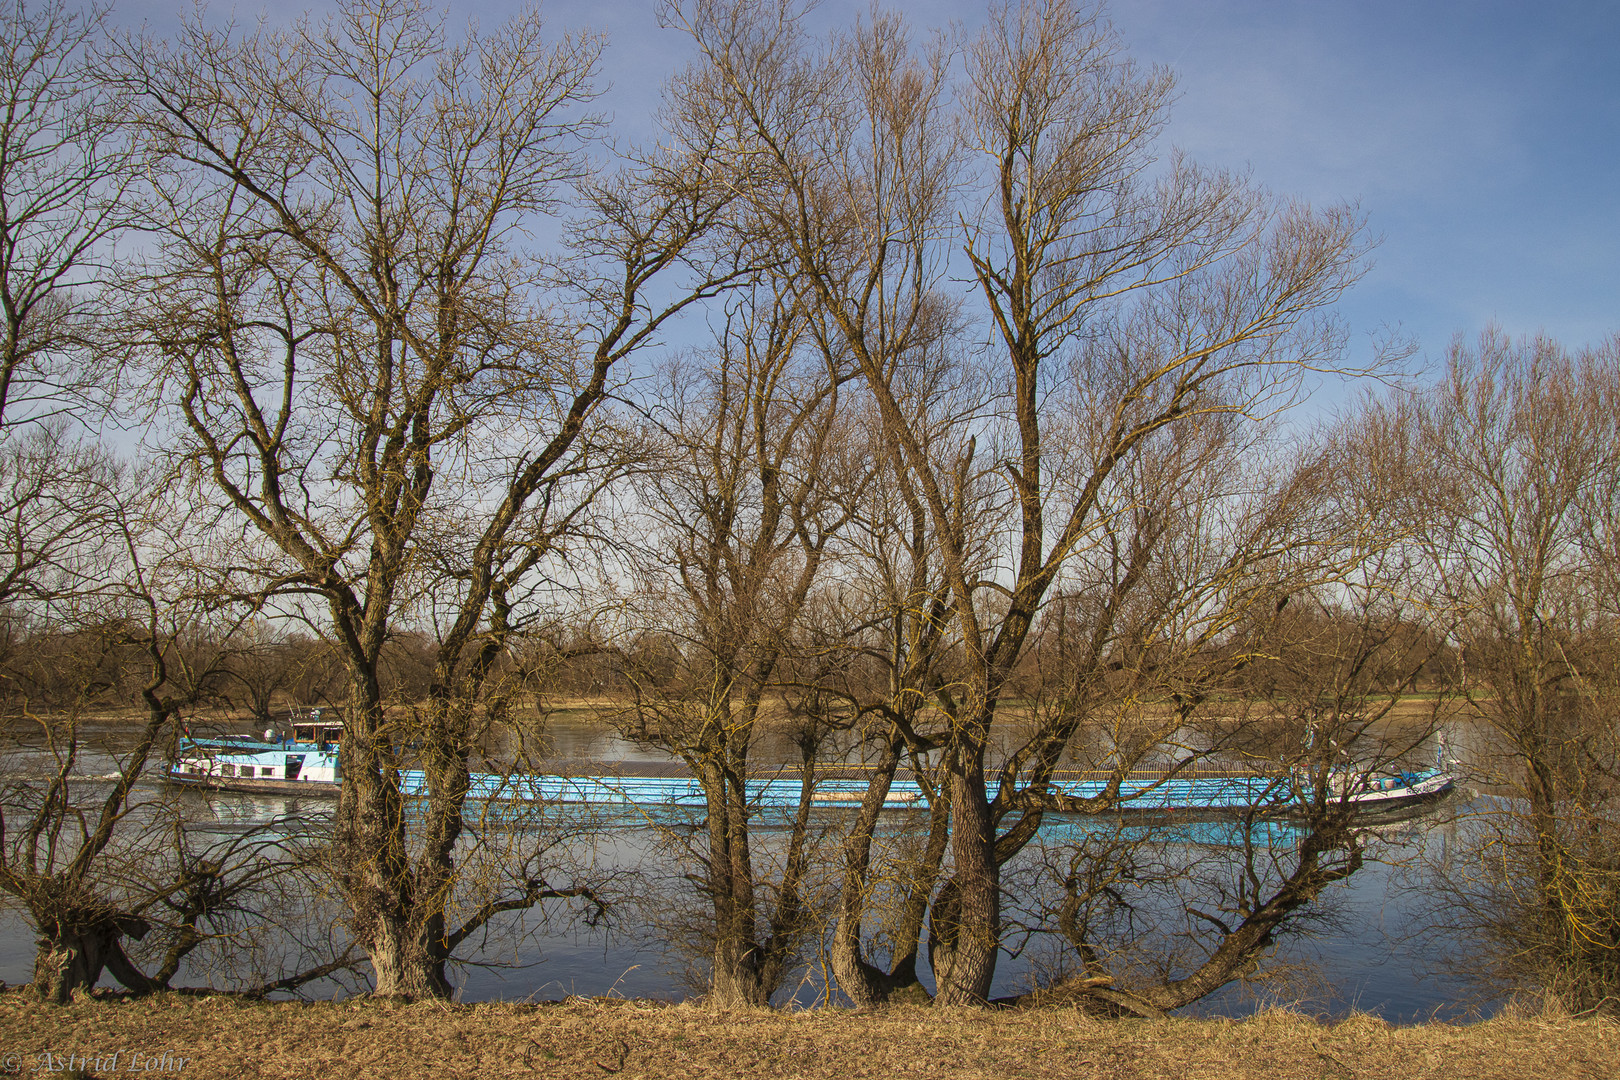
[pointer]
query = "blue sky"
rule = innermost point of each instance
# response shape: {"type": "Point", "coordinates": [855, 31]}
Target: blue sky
{"type": "Point", "coordinates": [1481, 140]}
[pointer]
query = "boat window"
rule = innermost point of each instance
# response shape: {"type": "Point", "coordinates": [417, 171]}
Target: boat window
{"type": "Point", "coordinates": [227, 770]}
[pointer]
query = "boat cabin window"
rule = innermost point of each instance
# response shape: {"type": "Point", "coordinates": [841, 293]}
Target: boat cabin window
{"type": "Point", "coordinates": [323, 734]}
{"type": "Point", "coordinates": [227, 770]}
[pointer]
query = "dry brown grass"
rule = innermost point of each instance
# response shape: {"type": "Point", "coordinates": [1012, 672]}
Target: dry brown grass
{"type": "Point", "coordinates": [597, 1038]}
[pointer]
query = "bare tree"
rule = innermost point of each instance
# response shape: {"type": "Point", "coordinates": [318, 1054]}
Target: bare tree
{"type": "Point", "coordinates": [1521, 457]}
{"type": "Point", "coordinates": [97, 861]}
{"type": "Point", "coordinates": [1159, 917]}
{"type": "Point", "coordinates": [388, 382]}
{"type": "Point", "coordinates": [85, 622]}
{"type": "Point", "coordinates": [1127, 308]}
{"type": "Point", "coordinates": [899, 628]}
{"type": "Point", "coordinates": [743, 511]}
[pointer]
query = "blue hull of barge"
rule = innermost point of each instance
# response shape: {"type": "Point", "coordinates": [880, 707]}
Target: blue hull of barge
{"type": "Point", "coordinates": [1202, 795]}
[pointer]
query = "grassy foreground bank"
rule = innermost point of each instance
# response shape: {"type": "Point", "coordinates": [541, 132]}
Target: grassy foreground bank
{"type": "Point", "coordinates": [218, 1037]}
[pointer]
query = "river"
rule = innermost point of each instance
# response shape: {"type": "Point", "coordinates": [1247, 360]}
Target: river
{"type": "Point", "coordinates": [1369, 953]}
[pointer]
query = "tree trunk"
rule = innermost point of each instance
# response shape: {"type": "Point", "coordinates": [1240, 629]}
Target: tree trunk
{"type": "Point", "coordinates": [862, 983]}
{"type": "Point", "coordinates": [72, 961]}
{"type": "Point", "coordinates": [372, 862]}
{"type": "Point", "coordinates": [78, 941]}
{"type": "Point", "coordinates": [739, 976]}
{"type": "Point", "coordinates": [965, 925]}
{"type": "Point", "coordinates": [403, 965]}
{"type": "Point", "coordinates": [865, 984]}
